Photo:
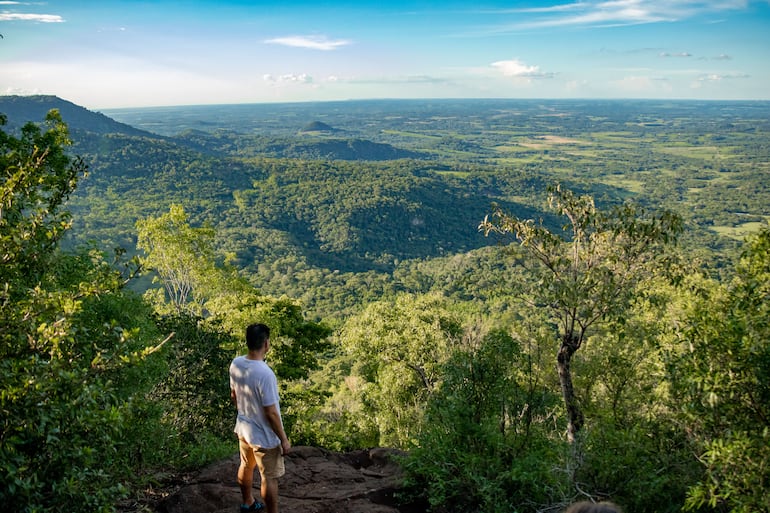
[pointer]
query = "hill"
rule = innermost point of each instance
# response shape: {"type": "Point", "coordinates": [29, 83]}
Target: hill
{"type": "Point", "coordinates": [306, 146]}
{"type": "Point", "coordinates": [22, 109]}
{"type": "Point", "coordinates": [317, 126]}
{"type": "Point", "coordinates": [344, 149]}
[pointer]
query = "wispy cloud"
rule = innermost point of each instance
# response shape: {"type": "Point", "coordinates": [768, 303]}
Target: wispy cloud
{"type": "Point", "coordinates": [11, 13]}
{"type": "Point", "coordinates": [400, 79]}
{"type": "Point", "coordinates": [718, 77]}
{"type": "Point", "coordinates": [637, 84]}
{"type": "Point", "coordinates": [678, 54]}
{"type": "Point", "coordinates": [311, 42]}
{"type": "Point", "coordinates": [712, 79]}
{"type": "Point", "coordinates": [40, 18]}
{"type": "Point", "coordinates": [612, 13]}
{"type": "Point", "coordinates": [301, 78]}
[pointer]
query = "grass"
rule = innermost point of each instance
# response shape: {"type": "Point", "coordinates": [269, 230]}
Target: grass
{"type": "Point", "coordinates": [415, 135]}
{"type": "Point", "coordinates": [456, 174]}
{"type": "Point", "coordinates": [697, 152]}
{"type": "Point", "coordinates": [620, 181]}
{"type": "Point", "coordinates": [739, 232]}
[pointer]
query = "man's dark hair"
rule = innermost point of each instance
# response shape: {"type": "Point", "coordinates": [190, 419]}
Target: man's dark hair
{"type": "Point", "coordinates": [256, 336]}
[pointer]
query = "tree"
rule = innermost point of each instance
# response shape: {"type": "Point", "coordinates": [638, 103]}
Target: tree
{"type": "Point", "coordinates": [72, 340]}
{"type": "Point", "coordinates": [475, 446]}
{"type": "Point", "coordinates": [721, 382]}
{"type": "Point", "coordinates": [37, 177]}
{"type": "Point", "coordinates": [181, 255]}
{"type": "Point", "coordinates": [399, 347]}
{"type": "Point", "coordinates": [212, 304]}
{"type": "Point", "coordinates": [185, 260]}
{"type": "Point", "coordinates": [194, 393]}
{"type": "Point", "coordinates": [587, 273]}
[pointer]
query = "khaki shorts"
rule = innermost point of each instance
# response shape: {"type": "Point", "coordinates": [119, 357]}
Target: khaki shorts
{"type": "Point", "coordinates": [268, 461]}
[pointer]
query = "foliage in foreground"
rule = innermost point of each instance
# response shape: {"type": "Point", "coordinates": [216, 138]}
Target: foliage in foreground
{"type": "Point", "coordinates": [721, 378]}
{"type": "Point", "coordinates": [98, 387]}
{"type": "Point", "coordinates": [681, 371]}
{"type": "Point", "coordinates": [72, 341]}
{"type": "Point", "coordinates": [91, 399]}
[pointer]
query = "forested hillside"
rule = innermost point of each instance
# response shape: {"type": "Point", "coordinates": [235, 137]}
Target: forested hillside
{"type": "Point", "coordinates": [538, 301]}
{"type": "Point", "coordinates": [22, 109]}
{"type": "Point", "coordinates": [298, 216]}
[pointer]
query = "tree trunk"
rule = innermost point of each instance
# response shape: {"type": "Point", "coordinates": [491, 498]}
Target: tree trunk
{"type": "Point", "coordinates": [568, 347]}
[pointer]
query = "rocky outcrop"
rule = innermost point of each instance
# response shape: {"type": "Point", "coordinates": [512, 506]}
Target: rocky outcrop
{"type": "Point", "coordinates": [316, 481]}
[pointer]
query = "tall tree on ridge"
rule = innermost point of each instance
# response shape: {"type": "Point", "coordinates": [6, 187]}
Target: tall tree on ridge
{"type": "Point", "coordinates": [589, 272]}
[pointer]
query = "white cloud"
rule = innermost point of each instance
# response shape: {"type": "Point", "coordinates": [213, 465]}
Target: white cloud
{"type": "Point", "coordinates": [20, 91]}
{"type": "Point", "coordinates": [389, 80]}
{"type": "Point", "coordinates": [710, 80]}
{"type": "Point", "coordinates": [125, 81]}
{"type": "Point", "coordinates": [712, 77]}
{"type": "Point", "coordinates": [311, 42]}
{"type": "Point", "coordinates": [718, 77]}
{"type": "Point", "coordinates": [517, 69]}
{"type": "Point", "coordinates": [41, 18]}
{"type": "Point", "coordinates": [514, 68]}
{"type": "Point", "coordinates": [575, 85]}
{"type": "Point", "coordinates": [552, 8]}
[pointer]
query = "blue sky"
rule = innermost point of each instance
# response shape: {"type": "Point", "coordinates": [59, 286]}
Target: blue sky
{"type": "Point", "coordinates": [122, 53]}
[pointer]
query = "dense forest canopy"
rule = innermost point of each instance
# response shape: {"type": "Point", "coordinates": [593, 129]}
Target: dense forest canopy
{"type": "Point", "coordinates": [336, 218]}
{"type": "Point", "coordinates": [539, 300]}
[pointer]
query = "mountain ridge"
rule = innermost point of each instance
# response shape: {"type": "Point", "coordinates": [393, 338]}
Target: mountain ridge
{"type": "Point", "coordinates": [20, 110]}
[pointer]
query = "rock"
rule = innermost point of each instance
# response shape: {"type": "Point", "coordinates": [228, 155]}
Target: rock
{"type": "Point", "coordinates": [316, 481]}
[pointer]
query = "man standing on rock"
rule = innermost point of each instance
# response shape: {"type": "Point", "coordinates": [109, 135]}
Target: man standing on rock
{"type": "Point", "coordinates": [262, 439]}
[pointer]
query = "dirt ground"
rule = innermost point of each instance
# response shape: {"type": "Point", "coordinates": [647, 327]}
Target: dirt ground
{"type": "Point", "coordinates": [316, 481]}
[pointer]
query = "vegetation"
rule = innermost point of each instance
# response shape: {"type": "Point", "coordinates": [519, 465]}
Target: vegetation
{"type": "Point", "coordinates": [77, 349]}
{"type": "Point", "coordinates": [93, 398]}
{"type": "Point", "coordinates": [590, 358]}
{"type": "Point", "coordinates": [589, 277]}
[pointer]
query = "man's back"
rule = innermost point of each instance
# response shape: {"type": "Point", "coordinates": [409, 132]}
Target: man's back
{"type": "Point", "coordinates": [255, 387]}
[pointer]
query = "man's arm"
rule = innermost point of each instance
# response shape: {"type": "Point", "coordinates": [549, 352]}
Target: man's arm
{"type": "Point", "coordinates": [274, 418]}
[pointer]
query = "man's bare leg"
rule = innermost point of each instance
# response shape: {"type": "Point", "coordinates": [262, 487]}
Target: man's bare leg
{"type": "Point", "coordinates": [245, 482]}
{"type": "Point", "coordinates": [269, 489]}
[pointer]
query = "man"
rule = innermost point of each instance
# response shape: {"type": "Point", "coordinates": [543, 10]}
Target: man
{"type": "Point", "coordinates": [262, 439]}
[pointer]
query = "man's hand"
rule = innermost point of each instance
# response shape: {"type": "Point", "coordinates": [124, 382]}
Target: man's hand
{"type": "Point", "coordinates": [274, 418]}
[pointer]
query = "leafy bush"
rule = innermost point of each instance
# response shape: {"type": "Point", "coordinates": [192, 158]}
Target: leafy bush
{"type": "Point", "coordinates": [195, 392]}
{"type": "Point", "coordinates": [646, 467]}
{"type": "Point", "coordinates": [720, 384]}
{"type": "Point", "coordinates": [478, 449]}
{"type": "Point", "coordinates": [68, 388]}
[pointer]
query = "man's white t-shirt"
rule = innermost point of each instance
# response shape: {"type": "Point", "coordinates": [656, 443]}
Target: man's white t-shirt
{"type": "Point", "coordinates": [255, 387]}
